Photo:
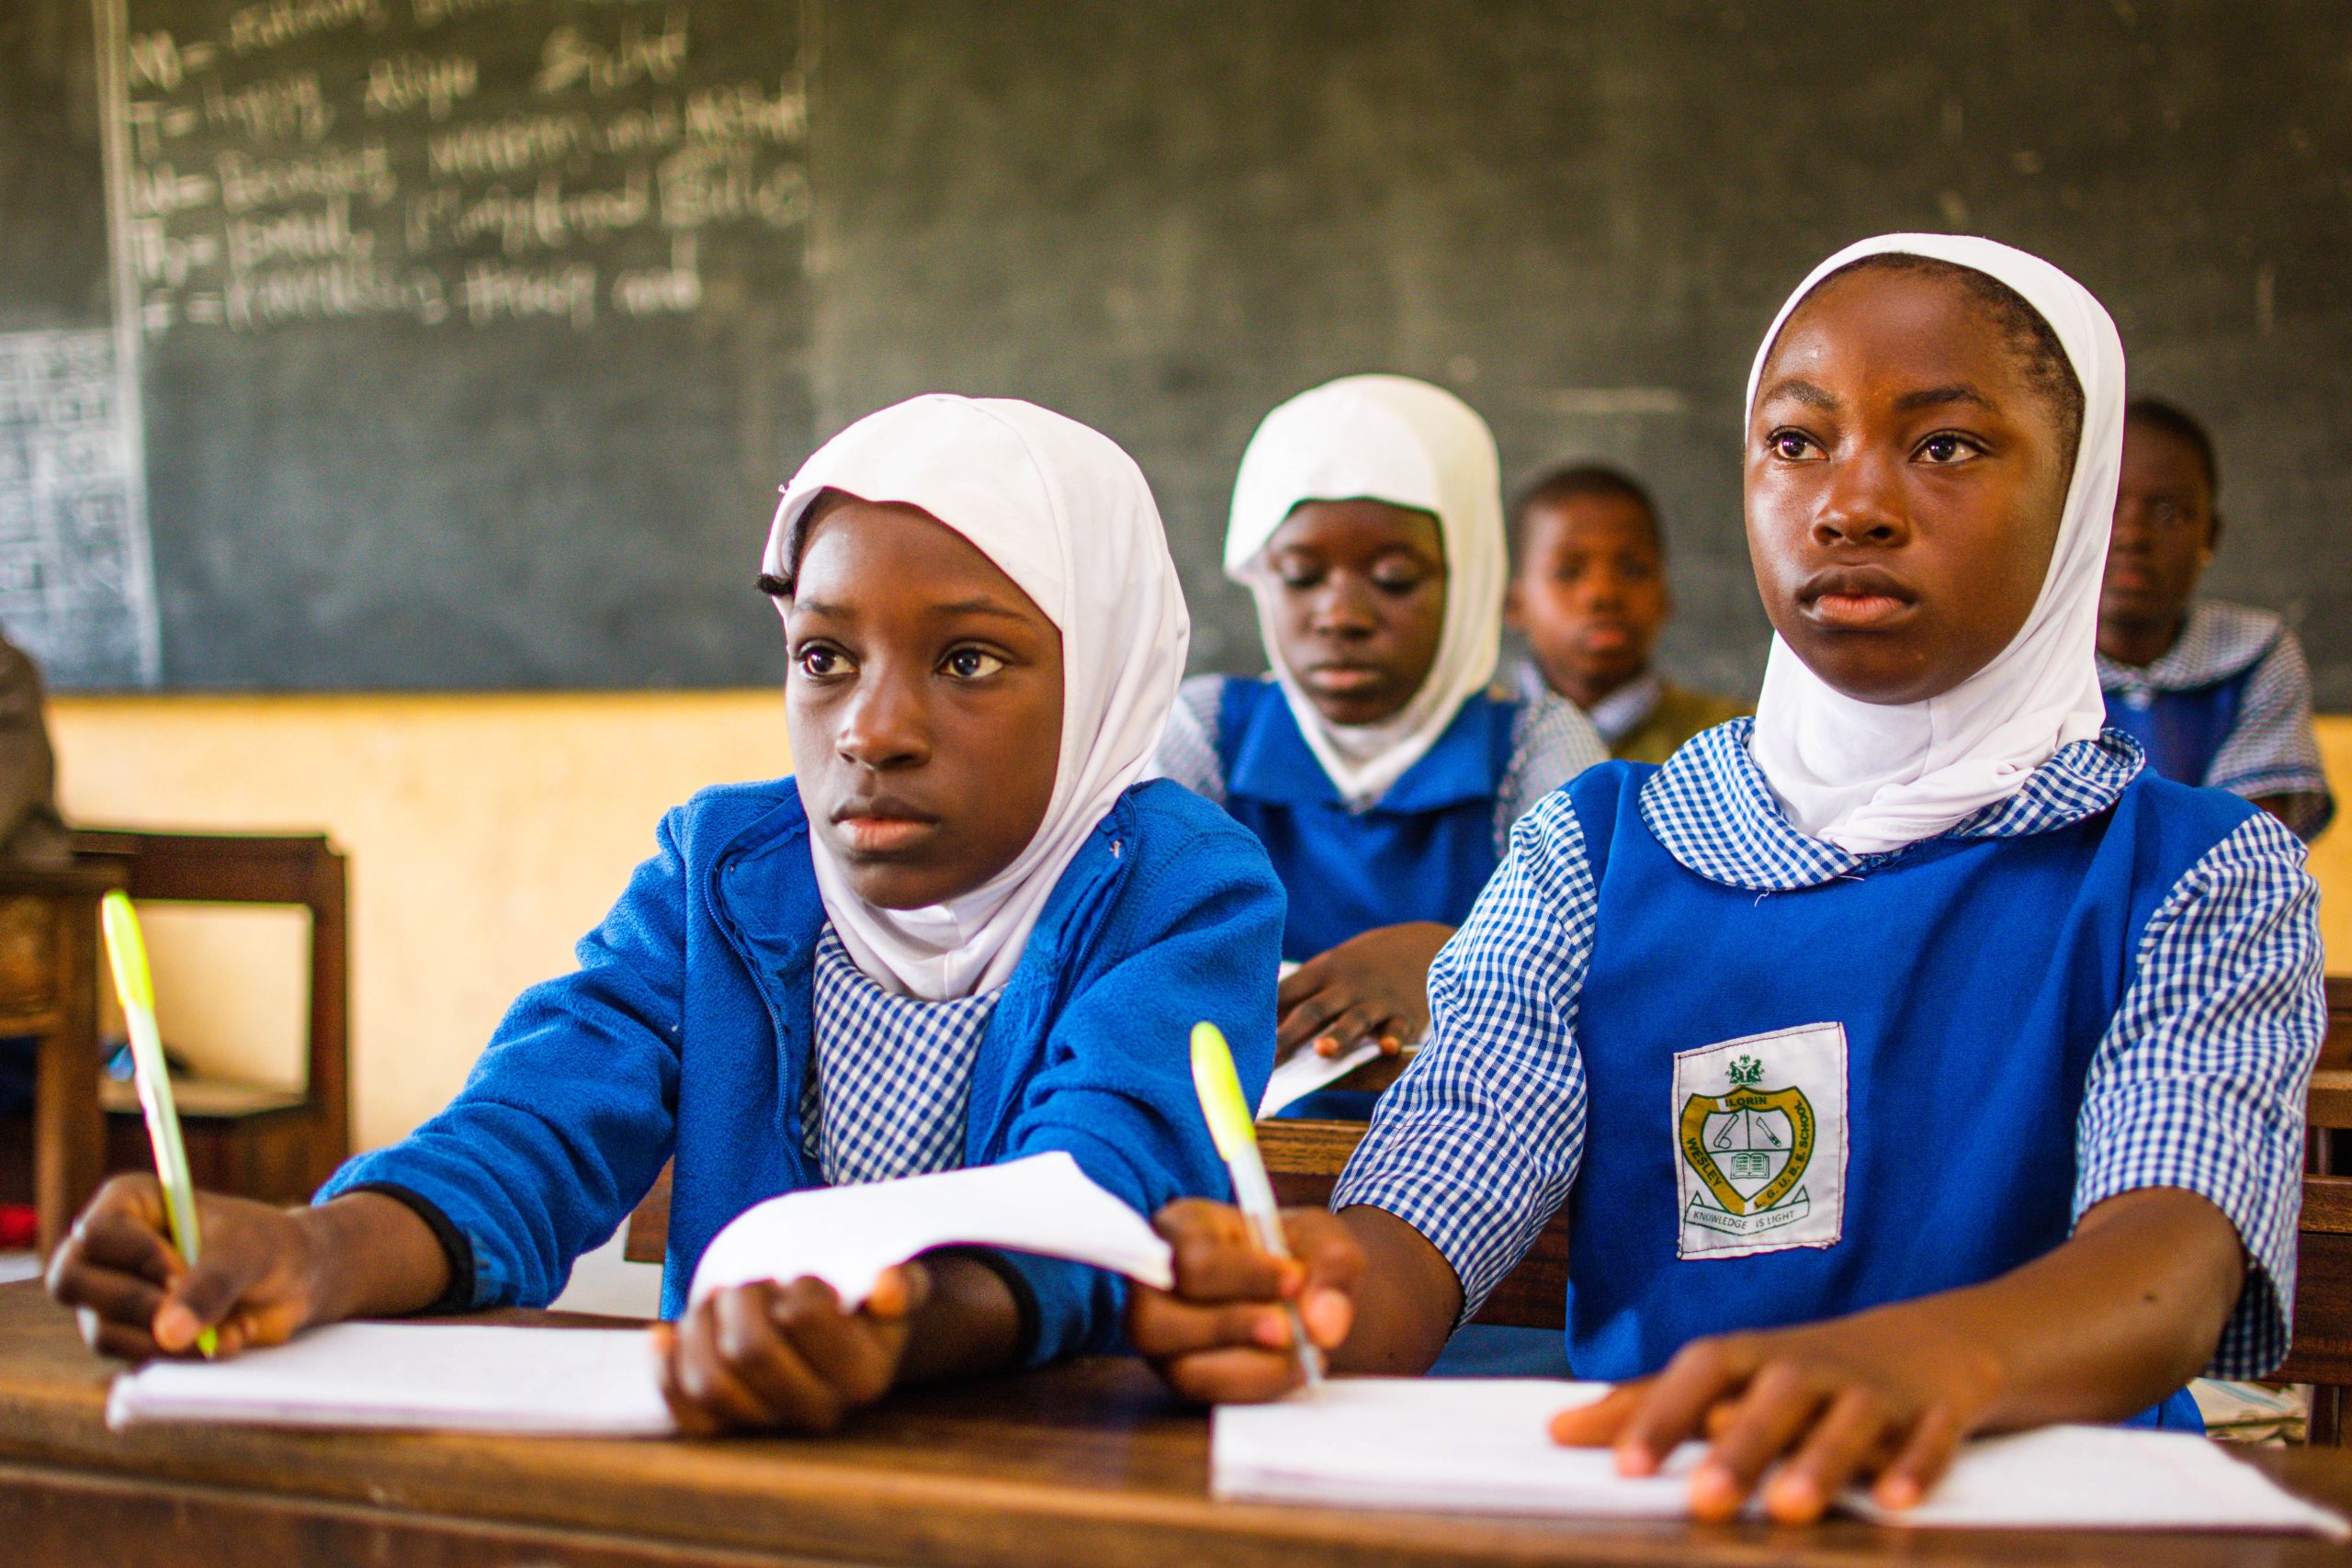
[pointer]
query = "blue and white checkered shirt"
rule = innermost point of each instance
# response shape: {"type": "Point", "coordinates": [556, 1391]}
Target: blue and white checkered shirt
{"type": "Point", "coordinates": [2271, 751]}
{"type": "Point", "coordinates": [1552, 742]}
{"type": "Point", "coordinates": [2198, 1083]}
{"type": "Point", "coordinates": [890, 1078]}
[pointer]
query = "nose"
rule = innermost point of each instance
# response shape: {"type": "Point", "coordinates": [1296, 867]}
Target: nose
{"type": "Point", "coordinates": [2130, 534]}
{"type": "Point", "coordinates": [1861, 503]}
{"type": "Point", "coordinates": [1342, 608]}
{"type": "Point", "coordinates": [1600, 592]}
{"type": "Point", "coordinates": [886, 724]}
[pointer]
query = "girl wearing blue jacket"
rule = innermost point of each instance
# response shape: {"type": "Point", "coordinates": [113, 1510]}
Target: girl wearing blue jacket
{"type": "Point", "coordinates": [962, 934]}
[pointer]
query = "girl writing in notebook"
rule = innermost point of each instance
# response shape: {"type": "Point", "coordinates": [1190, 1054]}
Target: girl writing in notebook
{"type": "Point", "coordinates": [961, 934]}
{"type": "Point", "coordinates": [1911, 1060]}
{"type": "Point", "coordinates": [1374, 763]}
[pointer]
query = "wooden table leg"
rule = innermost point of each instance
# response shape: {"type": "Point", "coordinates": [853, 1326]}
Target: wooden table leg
{"type": "Point", "coordinates": [69, 1128]}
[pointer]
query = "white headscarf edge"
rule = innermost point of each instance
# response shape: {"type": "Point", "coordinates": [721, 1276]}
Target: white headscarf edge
{"type": "Point", "coordinates": [1393, 439]}
{"type": "Point", "coordinates": [1873, 777]}
{"type": "Point", "coordinates": [1019, 482]}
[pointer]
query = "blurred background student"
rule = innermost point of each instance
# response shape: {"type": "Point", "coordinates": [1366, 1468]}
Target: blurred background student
{"type": "Point", "coordinates": [1589, 592]}
{"type": "Point", "coordinates": [2218, 693]}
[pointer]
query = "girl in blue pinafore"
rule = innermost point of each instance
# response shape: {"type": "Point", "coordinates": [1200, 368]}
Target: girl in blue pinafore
{"type": "Point", "coordinates": [1909, 1061]}
{"type": "Point", "coordinates": [1377, 764]}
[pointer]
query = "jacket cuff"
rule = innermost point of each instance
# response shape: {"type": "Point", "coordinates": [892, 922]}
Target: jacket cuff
{"type": "Point", "coordinates": [455, 1247]}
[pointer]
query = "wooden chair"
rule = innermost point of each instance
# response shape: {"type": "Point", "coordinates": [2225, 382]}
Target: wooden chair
{"type": "Point", "coordinates": [277, 1145]}
{"type": "Point", "coordinates": [49, 988]}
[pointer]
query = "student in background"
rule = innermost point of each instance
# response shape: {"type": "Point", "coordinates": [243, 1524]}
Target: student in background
{"type": "Point", "coordinates": [2218, 693]}
{"type": "Point", "coordinates": [964, 933]}
{"type": "Point", "coordinates": [1375, 765]}
{"type": "Point", "coordinates": [1589, 592]}
{"type": "Point", "coordinates": [31, 832]}
{"type": "Point", "coordinates": [1911, 1060]}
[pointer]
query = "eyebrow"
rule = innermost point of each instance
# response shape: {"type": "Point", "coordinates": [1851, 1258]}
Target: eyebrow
{"type": "Point", "coordinates": [1939, 397]}
{"type": "Point", "coordinates": [1800, 389]}
{"type": "Point", "coordinates": [959, 607]}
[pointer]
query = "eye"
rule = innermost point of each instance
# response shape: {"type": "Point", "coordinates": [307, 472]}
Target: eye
{"type": "Point", "coordinates": [1791, 446]}
{"type": "Point", "coordinates": [1399, 580]}
{"type": "Point", "coordinates": [1947, 448]}
{"type": "Point", "coordinates": [822, 661]}
{"type": "Point", "coordinates": [971, 663]}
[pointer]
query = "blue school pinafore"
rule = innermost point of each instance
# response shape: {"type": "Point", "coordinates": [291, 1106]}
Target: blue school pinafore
{"type": "Point", "coordinates": [1776, 1083]}
{"type": "Point", "coordinates": [1420, 852]}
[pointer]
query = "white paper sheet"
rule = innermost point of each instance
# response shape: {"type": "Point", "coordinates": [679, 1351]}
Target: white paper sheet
{"type": "Point", "coordinates": [603, 1382]}
{"type": "Point", "coordinates": [1483, 1445]}
{"type": "Point", "coordinates": [848, 1236]}
{"type": "Point", "coordinates": [1305, 1071]}
{"type": "Point", "coordinates": [417, 1376]}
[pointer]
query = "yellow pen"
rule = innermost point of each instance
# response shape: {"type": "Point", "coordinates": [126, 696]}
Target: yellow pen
{"type": "Point", "coordinates": [136, 985]}
{"type": "Point", "coordinates": [1236, 1136]}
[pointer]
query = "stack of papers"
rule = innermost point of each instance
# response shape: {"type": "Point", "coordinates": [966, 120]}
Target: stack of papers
{"type": "Point", "coordinates": [1475, 1445]}
{"type": "Point", "coordinates": [1306, 1070]}
{"type": "Point", "coordinates": [415, 1376]}
{"type": "Point", "coordinates": [603, 1382]}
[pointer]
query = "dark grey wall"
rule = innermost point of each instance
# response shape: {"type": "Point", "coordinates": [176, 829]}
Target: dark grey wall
{"type": "Point", "coordinates": [1164, 217]}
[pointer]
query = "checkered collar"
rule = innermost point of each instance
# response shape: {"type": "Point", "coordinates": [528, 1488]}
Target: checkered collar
{"type": "Point", "coordinates": [1711, 809]}
{"type": "Point", "coordinates": [2218, 640]}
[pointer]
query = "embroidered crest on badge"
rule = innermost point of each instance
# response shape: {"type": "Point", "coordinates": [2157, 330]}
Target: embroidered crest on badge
{"type": "Point", "coordinates": [1764, 1162]}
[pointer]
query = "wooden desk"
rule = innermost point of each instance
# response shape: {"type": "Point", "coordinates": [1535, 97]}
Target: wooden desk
{"type": "Point", "coordinates": [1086, 1463]}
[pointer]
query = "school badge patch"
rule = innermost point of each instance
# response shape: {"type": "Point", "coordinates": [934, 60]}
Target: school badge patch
{"type": "Point", "coordinates": [1759, 1129]}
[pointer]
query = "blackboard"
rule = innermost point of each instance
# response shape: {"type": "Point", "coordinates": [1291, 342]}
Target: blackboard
{"type": "Point", "coordinates": [1162, 217]}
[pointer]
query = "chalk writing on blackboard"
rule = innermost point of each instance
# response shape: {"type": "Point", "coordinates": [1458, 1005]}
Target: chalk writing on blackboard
{"type": "Point", "coordinates": [74, 585]}
{"type": "Point", "coordinates": [451, 163]}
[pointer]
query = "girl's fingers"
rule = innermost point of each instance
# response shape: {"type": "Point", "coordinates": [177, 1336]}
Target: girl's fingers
{"type": "Point", "coordinates": [1232, 1377]}
{"type": "Point", "coordinates": [1848, 1437]}
{"type": "Point", "coordinates": [1352, 1023]}
{"type": "Point", "coordinates": [732, 1365]}
{"type": "Point", "coordinates": [123, 1341]}
{"type": "Point", "coordinates": [1301, 983]}
{"type": "Point", "coordinates": [1702, 1375]}
{"type": "Point", "coordinates": [849, 1353]}
{"type": "Point", "coordinates": [114, 1296]}
{"type": "Point", "coordinates": [123, 1242]}
{"type": "Point", "coordinates": [1599, 1424]}
{"type": "Point", "coordinates": [1924, 1458]}
{"type": "Point", "coordinates": [1216, 1259]}
{"type": "Point", "coordinates": [1163, 1326]}
{"type": "Point", "coordinates": [1780, 1405]}
{"type": "Point", "coordinates": [1305, 1018]}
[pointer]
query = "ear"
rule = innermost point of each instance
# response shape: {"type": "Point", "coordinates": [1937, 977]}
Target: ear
{"type": "Point", "coordinates": [2213, 536]}
{"type": "Point", "coordinates": [1514, 606]}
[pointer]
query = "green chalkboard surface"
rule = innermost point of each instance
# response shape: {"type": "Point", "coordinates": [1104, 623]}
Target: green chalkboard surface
{"type": "Point", "coordinates": [472, 336]}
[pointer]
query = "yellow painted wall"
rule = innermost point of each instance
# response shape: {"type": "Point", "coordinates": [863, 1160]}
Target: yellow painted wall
{"type": "Point", "coordinates": [486, 834]}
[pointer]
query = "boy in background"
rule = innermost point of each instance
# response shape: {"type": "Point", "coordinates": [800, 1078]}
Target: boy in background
{"type": "Point", "coordinates": [1589, 592]}
{"type": "Point", "coordinates": [2217, 694]}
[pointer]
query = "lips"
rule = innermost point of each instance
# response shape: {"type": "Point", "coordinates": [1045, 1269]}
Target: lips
{"type": "Point", "coordinates": [882, 826]}
{"type": "Point", "coordinates": [1345, 680]}
{"type": "Point", "coordinates": [1856, 599]}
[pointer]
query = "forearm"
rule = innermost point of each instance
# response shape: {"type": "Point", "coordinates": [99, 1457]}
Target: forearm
{"type": "Point", "coordinates": [371, 1256]}
{"type": "Point", "coordinates": [1407, 1302]}
{"type": "Point", "coordinates": [2104, 1326]}
{"type": "Point", "coordinates": [969, 1324]}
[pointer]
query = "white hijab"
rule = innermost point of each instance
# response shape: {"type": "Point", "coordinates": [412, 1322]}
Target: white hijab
{"type": "Point", "coordinates": [1066, 514]}
{"type": "Point", "coordinates": [1407, 443]}
{"type": "Point", "coordinates": [1870, 777]}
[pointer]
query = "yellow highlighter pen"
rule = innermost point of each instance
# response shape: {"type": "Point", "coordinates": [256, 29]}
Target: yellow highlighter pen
{"type": "Point", "coordinates": [136, 986]}
{"type": "Point", "coordinates": [1236, 1136]}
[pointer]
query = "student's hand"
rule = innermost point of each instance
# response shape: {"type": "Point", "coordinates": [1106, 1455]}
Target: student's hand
{"type": "Point", "coordinates": [255, 1280]}
{"type": "Point", "coordinates": [1222, 1334]}
{"type": "Point", "coordinates": [1878, 1397]}
{"type": "Point", "coordinates": [1372, 986]}
{"type": "Point", "coordinates": [769, 1356]}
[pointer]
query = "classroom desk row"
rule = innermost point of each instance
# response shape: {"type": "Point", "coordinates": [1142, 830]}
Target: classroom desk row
{"type": "Point", "coordinates": [1089, 1462]}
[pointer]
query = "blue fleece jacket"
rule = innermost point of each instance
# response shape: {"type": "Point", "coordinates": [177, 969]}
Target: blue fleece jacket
{"type": "Point", "coordinates": [687, 1029]}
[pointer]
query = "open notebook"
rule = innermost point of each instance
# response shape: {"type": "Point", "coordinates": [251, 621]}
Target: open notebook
{"type": "Point", "coordinates": [594, 1382]}
{"type": "Point", "coordinates": [1482, 1445]}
